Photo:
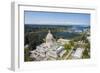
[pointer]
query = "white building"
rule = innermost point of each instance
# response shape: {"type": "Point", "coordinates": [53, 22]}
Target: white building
{"type": "Point", "coordinates": [48, 50]}
{"type": "Point", "coordinates": [78, 53]}
{"type": "Point", "coordinates": [63, 41]}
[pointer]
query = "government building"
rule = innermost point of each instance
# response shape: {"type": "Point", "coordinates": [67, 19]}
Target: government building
{"type": "Point", "coordinates": [50, 49]}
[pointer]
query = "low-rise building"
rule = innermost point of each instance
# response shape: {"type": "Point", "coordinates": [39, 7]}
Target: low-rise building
{"type": "Point", "coordinates": [78, 53]}
{"type": "Point", "coordinates": [63, 41]}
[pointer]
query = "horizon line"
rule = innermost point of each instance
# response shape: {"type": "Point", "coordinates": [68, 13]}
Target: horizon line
{"type": "Point", "coordinates": [55, 24]}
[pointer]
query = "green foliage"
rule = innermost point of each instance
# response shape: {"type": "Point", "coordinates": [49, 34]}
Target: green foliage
{"type": "Point", "coordinates": [26, 39]}
{"type": "Point", "coordinates": [67, 47]}
{"type": "Point", "coordinates": [71, 43]}
{"type": "Point", "coordinates": [82, 37]}
{"type": "Point", "coordinates": [76, 39]}
{"type": "Point", "coordinates": [86, 54]}
{"type": "Point", "coordinates": [27, 55]}
{"type": "Point", "coordinates": [34, 39]}
{"type": "Point", "coordinates": [87, 46]}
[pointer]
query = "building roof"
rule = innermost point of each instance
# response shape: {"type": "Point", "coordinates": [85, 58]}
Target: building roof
{"type": "Point", "coordinates": [78, 53]}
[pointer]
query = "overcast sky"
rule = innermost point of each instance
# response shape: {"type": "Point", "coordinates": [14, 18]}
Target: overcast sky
{"type": "Point", "coordinates": [32, 17]}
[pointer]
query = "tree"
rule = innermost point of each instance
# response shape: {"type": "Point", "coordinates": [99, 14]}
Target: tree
{"type": "Point", "coordinates": [26, 40]}
{"type": "Point", "coordinates": [27, 55]}
{"type": "Point", "coordinates": [67, 47]}
{"type": "Point", "coordinates": [86, 54]}
{"type": "Point", "coordinates": [71, 43]}
{"type": "Point", "coordinates": [35, 39]}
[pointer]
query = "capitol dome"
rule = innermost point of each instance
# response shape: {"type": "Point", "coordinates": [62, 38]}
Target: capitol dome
{"type": "Point", "coordinates": [49, 36]}
{"type": "Point", "coordinates": [49, 39]}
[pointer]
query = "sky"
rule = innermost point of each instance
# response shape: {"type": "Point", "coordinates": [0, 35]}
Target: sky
{"type": "Point", "coordinates": [56, 18]}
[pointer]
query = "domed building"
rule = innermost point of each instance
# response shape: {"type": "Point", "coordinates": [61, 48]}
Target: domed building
{"type": "Point", "coordinates": [49, 39]}
{"type": "Point", "coordinates": [49, 50]}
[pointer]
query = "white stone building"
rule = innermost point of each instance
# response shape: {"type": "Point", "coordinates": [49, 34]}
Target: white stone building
{"type": "Point", "coordinates": [49, 50]}
{"type": "Point", "coordinates": [63, 41]}
{"type": "Point", "coordinates": [78, 53]}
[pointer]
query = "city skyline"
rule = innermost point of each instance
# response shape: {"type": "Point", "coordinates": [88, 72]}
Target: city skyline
{"type": "Point", "coordinates": [53, 18]}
